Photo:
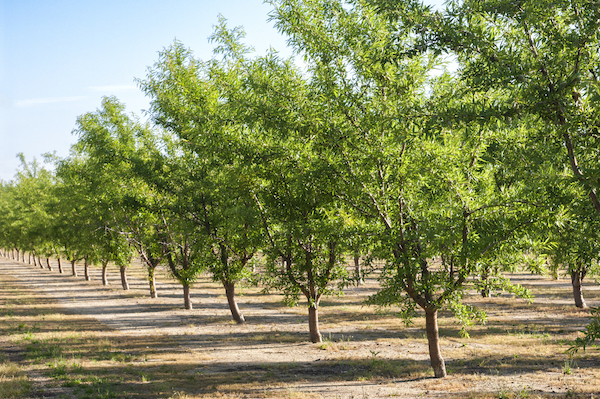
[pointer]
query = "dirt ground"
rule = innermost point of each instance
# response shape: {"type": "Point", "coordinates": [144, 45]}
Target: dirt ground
{"type": "Point", "coordinates": [518, 353]}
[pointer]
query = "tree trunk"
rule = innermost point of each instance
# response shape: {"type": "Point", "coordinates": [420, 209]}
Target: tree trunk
{"type": "Point", "coordinates": [313, 323]}
{"type": "Point", "coordinates": [152, 282]}
{"type": "Point", "coordinates": [60, 270]}
{"type": "Point", "coordinates": [73, 268]}
{"type": "Point", "coordinates": [48, 264]}
{"type": "Point", "coordinates": [433, 338]}
{"type": "Point", "coordinates": [187, 302]}
{"type": "Point", "coordinates": [104, 272]}
{"type": "Point", "coordinates": [124, 281]}
{"type": "Point", "coordinates": [357, 270]}
{"type": "Point", "coordinates": [576, 278]}
{"type": "Point", "coordinates": [235, 311]}
{"type": "Point", "coordinates": [28, 258]}
{"type": "Point", "coordinates": [40, 264]}
{"type": "Point", "coordinates": [486, 292]}
{"type": "Point", "coordinates": [86, 269]}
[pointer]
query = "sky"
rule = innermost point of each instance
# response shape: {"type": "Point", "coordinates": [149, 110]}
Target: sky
{"type": "Point", "coordinates": [58, 58]}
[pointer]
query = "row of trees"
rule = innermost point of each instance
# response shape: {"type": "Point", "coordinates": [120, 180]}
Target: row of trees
{"type": "Point", "coordinates": [451, 179]}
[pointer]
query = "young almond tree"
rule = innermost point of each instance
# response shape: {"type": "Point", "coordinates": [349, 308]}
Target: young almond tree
{"type": "Point", "coordinates": [83, 211]}
{"type": "Point", "coordinates": [32, 193]}
{"type": "Point", "coordinates": [307, 228]}
{"type": "Point", "coordinates": [109, 142]}
{"type": "Point", "coordinates": [571, 235]}
{"type": "Point", "coordinates": [209, 180]}
{"type": "Point", "coordinates": [306, 233]}
{"type": "Point", "coordinates": [399, 155]}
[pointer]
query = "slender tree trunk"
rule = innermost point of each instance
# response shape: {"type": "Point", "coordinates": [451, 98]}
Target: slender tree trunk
{"type": "Point", "coordinates": [433, 338]}
{"type": "Point", "coordinates": [40, 264]}
{"type": "Point", "coordinates": [235, 311]}
{"type": "Point", "coordinates": [486, 292]}
{"type": "Point", "coordinates": [28, 258]}
{"type": "Point", "coordinates": [104, 273]}
{"type": "Point", "coordinates": [60, 269]}
{"type": "Point", "coordinates": [73, 268]}
{"type": "Point", "coordinates": [187, 302]}
{"type": "Point", "coordinates": [48, 264]}
{"type": "Point", "coordinates": [576, 279]}
{"type": "Point", "coordinates": [152, 281]}
{"type": "Point", "coordinates": [357, 269]}
{"type": "Point", "coordinates": [124, 281]}
{"type": "Point", "coordinates": [86, 269]}
{"type": "Point", "coordinates": [313, 323]}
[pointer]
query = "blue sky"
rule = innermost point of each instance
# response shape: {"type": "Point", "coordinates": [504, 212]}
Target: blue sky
{"type": "Point", "coordinates": [58, 58]}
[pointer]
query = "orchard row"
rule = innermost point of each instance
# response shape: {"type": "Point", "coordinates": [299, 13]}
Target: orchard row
{"type": "Point", "coordinates": [363, 151]}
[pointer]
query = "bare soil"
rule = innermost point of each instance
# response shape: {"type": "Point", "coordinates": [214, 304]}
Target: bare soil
{"type": "Point", "coordinates": [367, 352]}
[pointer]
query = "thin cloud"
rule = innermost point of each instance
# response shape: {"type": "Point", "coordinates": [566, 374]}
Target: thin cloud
{"type": "Point", "coordinates": [112, 88]}
{"type": "Point", "coordinates": [51, 100]}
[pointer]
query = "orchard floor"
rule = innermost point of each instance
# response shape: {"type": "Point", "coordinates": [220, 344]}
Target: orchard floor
{"type": "Point", "coordinates": [64, 337]}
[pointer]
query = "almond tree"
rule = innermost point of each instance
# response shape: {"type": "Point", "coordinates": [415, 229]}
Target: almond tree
{"type": "Point", "coordinates": [108, 141]}
{"type": "Point", "coordinates": [397, 160]}
{"type": "Point", "coordinates": [31, 214]}
{"type": "Point", "coordinates": [208, 176]}
{"type": "Point", "coordinates": [545, 57]}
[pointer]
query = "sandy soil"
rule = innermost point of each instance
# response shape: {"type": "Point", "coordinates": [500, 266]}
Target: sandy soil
{"type": "Point", "coordinates": [201, 330]}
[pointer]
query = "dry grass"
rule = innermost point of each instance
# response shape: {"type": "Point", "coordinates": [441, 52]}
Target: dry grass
{"type": "Point", "coordinates": [366, 353]}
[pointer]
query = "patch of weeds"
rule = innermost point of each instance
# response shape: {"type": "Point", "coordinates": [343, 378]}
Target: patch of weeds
{"type": "Point", "coordinates": [13, 383]}
{"type": "Point", "coordinates": [568, 367]}
{"type": "Point", "coordinates": [122, 357]}
{"type": "Point", "coordinates": [58, 369]}
{"type": "Point", "coordinates": [99, 389]}
{"type": "Point", "coordinates": [374, 356]}
{"type": "Point", "coordinates": [41, 350]}
{"type": "Point", "coordinates": [526, 331]}
{"type": "Point", "coordinates": [73, 382]}
{"type": "Point", "coordinates": [522, 394]}
{"type": "Point", "coordinates": [335, 345]}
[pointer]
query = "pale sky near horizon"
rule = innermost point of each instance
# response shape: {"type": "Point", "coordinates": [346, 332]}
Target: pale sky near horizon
{"type": "Point", "coordinates": [58, 58]}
